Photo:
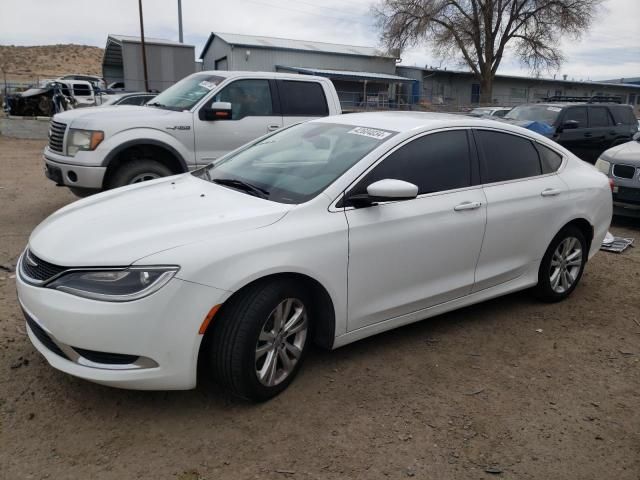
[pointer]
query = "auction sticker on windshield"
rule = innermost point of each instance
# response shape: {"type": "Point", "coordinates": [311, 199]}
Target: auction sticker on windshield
{"type": "Point", "coordinates": [208, 85]}
{"type": "Point", "coordinates": [554, 109]}
{"type": "Point", "coordinates": [370, 132]}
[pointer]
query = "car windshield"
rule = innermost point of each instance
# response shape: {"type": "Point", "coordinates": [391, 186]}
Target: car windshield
{"type": "Point", "coordinates": [536, 113]}
{"type": "Point", "coordinates": [187, 92]}
{"type": "Point", "coordinates": [296, 164]}
{"type": "Point", "coordinates": [478, 112]}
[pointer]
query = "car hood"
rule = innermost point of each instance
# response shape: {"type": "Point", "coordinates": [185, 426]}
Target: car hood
{"type": "Point", "coordinates": [123, 114]}
{"type": "Point", "coordinates": [628, 153]}
{"type": "Point", "coordinates": [118, 227]}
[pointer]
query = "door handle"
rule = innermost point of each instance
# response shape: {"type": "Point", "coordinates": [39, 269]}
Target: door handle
{"type": "Point", "coordinates": [588, 135]}
{"type": "Point", "coordinates": [272, 128]}
{"type": "Point", "coordinates": [467, 206]}
{"type": "Point", "coordinates": [550, 192]}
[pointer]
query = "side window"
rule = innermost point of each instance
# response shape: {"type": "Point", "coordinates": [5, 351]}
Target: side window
{"type": "Point", "coordinates": [80, 90]}
{"type": "Point", "coordinates": [507, 157]}
{"type": "Point", "coordinates": [599, 117]}
{"type": "Point", "coordinates": [579, 114]}
{"type": "Point", "coordinates": [435, 163]}
{"type": "Point", "coordinates": [248, 98]}
{"type": "Point", "coordinates": [550, 160]}
{"type": "Point", "coordinates": [302, 98]}
{"type": "Point", "coordinates": [130, 101]}
{"type": "Point", "coordinates": [623, 114]}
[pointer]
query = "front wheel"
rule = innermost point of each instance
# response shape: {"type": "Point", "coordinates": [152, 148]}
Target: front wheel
{"type": "Point", "coordinates": [137, 171]}
{"type": "Point", "coordinates": [260, 339]}
{"type": "Point", "coordinates": [562, 265]}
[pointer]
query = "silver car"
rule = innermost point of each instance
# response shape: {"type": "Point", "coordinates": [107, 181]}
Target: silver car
{"type": "Point", "coordinates": [622, 165]}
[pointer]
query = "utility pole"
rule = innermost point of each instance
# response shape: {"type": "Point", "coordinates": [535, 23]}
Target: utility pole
{"type": "Point", "coordinates": [180, 20]}
{"type": "Point", "coordinates": [144, 49]}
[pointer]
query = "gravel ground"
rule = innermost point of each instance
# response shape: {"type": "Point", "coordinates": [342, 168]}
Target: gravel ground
{"type": "Point", "coordinates": [511, 389]}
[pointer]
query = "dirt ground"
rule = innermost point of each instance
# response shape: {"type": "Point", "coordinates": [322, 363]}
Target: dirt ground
{"type": "Point", "coordinates": [511, 389]}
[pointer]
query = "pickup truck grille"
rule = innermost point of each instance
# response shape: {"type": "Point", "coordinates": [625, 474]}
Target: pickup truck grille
{"type": "Point", "coordinates": [56, 136]}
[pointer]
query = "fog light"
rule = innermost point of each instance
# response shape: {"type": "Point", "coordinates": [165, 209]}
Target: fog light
{"type": "Point", "coordinates": [72, 176]}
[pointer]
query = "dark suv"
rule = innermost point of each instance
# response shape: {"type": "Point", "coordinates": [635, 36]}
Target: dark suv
{"type": "Point", "coordinates": [587, 128]}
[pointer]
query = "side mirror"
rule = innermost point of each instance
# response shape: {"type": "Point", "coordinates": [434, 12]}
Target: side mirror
{"type": "Point", "coordinates": [570, 124]}
{"type": "Point", "coordinates": [386, 190]}
{"type": "Point", "coordinates": [217, 111]}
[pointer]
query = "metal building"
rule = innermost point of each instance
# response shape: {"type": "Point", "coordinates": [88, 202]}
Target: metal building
{"type": "Point", "coordinates": [455, 88]}
{"type": "Point", "coordinates": [361, 75]}
{"type": "Point", "coordinates": [167, 62]}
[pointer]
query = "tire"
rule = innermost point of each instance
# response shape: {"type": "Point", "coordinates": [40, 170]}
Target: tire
{"type": "Point", "coordinates": [553, 284]}
{"type": "Point", "coordinates": [135, 171]}
{"type": "Point", "coordinates": [82, 192]}
{"type": "Point", "coordinates": [241, 331]}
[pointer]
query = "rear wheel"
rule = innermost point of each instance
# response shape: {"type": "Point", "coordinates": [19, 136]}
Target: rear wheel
{"type": "Point", "coordinates": [260, 339]}
{"type": "Point", "coordinates": [562, 265]}
{"type": "Point", "coordinates": [137, 171]}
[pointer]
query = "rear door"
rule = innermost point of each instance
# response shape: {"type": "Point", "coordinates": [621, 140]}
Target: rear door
{"type": "Point", "coordinates": [602, 131]}
{"type": "Point", "coordinates": [301, 100]}
{"type": "Point", "coordinates": [409, 255]}
{"type": "Point", "coordinates": [525, 202]}
{"type": "Point", "coordinates": [255, 112]}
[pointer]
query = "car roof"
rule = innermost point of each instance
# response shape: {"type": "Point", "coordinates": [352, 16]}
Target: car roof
{"type": "Point", "coordinates": [408, 121]}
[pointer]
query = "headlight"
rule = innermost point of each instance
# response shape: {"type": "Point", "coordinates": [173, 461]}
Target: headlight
{"type": "Point", "coordinates": [603, 166]}
{"type": "Point", "coordinates": [83, 140]}
{"type": "Point", "coordinates": [117, 285]}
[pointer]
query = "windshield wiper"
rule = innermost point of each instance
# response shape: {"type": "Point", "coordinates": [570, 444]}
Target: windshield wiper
{"type": "Point", "coordinates": [244, 186]}
{"type": "Point", "coordinates": [157, 104]}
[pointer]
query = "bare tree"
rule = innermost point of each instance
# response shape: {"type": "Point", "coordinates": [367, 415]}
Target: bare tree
{"type": "Point", "coordinates": [481, 30]}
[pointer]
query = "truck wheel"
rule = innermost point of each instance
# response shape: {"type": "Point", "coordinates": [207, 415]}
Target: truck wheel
{"type": "Point", "coordinates": [82, 192]}
{"type": "Point", "coordinates": [137, 171]}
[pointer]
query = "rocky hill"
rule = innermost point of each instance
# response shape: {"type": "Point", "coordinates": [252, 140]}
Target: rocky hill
{"type": "Point", "coordinates": [26, 63]}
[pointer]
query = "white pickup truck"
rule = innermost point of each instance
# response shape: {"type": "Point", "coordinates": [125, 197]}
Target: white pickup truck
{"type": "Point", "coordinates": [191, 124]}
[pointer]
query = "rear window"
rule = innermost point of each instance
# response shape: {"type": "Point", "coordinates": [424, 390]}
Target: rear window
{"type": "Point", "coordinates": [302, 98]}
{"type": "Point", "coordinates": [623, 114]}
{"type": "Point", "coordinates": [80, 90]}
{"type": "Point", "coordinates": [507, 157]}
{"type": "Point", "coordinates": [599, 117]}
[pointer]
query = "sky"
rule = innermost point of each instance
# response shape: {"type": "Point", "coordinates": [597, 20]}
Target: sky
{"type": "Point", "coordinates": [611, 48]}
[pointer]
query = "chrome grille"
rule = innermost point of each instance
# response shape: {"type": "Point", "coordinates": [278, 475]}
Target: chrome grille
{"type": "Point", "coordinates": [37, 270]}
{"type": "Point", "coordinates": [56, 136]}
{"type": "Point", "coordinates": [624, 171]}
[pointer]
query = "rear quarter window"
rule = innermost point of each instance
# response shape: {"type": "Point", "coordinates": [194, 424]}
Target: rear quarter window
{"type": "Point", "coordinates": [623, 114]}
{"type": "Point", "coordinates": [302, 98]}
{"type": "Point", "coordinates": [549, 159]}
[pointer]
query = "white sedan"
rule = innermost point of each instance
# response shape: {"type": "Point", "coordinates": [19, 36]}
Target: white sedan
{"type": "Point", "coordinates": [328, 232]}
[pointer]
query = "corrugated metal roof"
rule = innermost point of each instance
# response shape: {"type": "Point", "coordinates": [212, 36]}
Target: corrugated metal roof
{"type": "Point", "coordinates": [156, 41]}
{"type": "Point", "coordinates": [521, 77]}
{"type": "Point", "coordinates": [347, 74]}
{"type": "Point", "coordinates": [290, 44]}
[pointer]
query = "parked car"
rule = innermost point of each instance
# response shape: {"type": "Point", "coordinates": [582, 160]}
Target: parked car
{"type": "Point", "coordinates": [489, 112]}
{"type": "Point", "coordinates": [134, 98]}
{"type": "Point", "coordinates": [44, 100]}
{"type": "Point", "coordinates": [98, 83]}
{"type": "Point", "coordinates": [191, 124]}
{"type": "Point", "coordinates": [328, 231]}
{"type": "Point", "coordinates": [586, 129]}
{"type": "Point", "coordinates": [116, 87]}
{"type": "Point", "coordinates": [622, 165]}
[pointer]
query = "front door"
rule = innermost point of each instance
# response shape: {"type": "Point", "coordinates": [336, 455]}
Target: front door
{"type": "Point", "coordinates": [577, 140]}
{"type": "Point", "coordinates": [409, 255]}
{"type": "Point", "coordinates": [252, 116]}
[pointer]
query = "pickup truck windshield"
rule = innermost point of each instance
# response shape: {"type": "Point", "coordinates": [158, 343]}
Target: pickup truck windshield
{"type": "Point", "coordinates": [296, 164]}
{"type": "Point", "coordinates": [187, 92]}
{"type": "Point", "coordinates": [535, 113]}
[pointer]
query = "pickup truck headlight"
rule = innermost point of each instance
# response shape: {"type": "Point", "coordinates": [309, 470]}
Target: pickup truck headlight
{"type": "Point", "coordinates": [83, 140]}
{"type": "Point", "coordinates": [117, 285]}
{"type": "Point", "coordinates": [603, 166]}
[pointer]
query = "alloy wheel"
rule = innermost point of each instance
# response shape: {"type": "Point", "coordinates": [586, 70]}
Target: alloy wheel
{"type": "Point", "coordinates": [143, 177]}
{"type": "Point", "coordinates": [281, 342]}
{"type": "Point", "coordinates": [566, 264]}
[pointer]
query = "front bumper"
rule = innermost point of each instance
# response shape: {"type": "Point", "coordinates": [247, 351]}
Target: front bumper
{"type": "Point", "coordinates": [60, 171]}
{"type": "Point", "coordinates": [158, 332]}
